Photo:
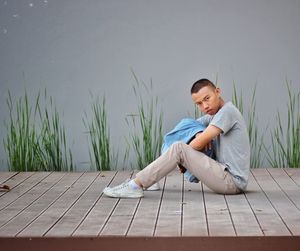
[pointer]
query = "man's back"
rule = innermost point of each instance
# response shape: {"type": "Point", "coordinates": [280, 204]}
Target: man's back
{"type": "Point", "coordinates": [232, 145]}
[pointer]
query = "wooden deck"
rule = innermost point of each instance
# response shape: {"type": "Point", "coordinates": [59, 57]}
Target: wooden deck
{"type": "Point", "coordinates": [43, 204]}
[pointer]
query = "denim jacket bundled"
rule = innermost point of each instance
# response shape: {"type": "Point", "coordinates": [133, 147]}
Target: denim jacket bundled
{"type": "Point", "coordinates": [185, 131]}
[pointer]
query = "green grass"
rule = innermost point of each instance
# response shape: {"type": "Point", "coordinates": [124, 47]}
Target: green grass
{"type": "Point", "coordinates": [285, 141]}
{"type": "Point", "coordinates": [256, 140]}
{"type": "Point", "coordinates": [35, 140]}
{"type": "Point", "coordinates": [100, 152]}
{"type": "Point", "coordinates": [55, 154]}
{"type": "Point", "coordinates": [145, 136]}
{"type": "Point", "coordinates": [237, 99]}
{"type": "Point", "coordinates": [21, 143]}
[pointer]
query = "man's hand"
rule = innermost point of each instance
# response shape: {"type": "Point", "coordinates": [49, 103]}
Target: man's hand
{"type": "Point", "coordinates": [182, 169]}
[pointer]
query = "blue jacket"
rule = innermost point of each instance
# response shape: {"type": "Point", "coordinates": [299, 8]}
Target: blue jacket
{"type": "Point", "coordinates": [185, 131]}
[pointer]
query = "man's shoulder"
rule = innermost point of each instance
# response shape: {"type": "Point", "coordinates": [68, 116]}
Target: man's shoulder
{"type": "Point", "coordinates": [229, 107]}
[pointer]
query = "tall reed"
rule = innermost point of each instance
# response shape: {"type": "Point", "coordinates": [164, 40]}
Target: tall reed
{"type": "Point", "coordinates": [101, 155]}
{"type": "Point", "coordinates": [256, 141]}
{"type": "Point", "coordinates": [285, 140]}
{"type": "Point", "coordinates": [237, 99]}
{"type": "Point", "coordinates": [55, 155]}
{"type": "Point", "coordinates": [36, 139]}
{"type": "Point", "coordinates": [22, 142]}
{"type": "Point", "coordinates": [146, 126]}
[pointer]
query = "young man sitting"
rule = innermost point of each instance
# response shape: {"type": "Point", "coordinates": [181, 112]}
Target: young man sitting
{"type": "Point", "coordinates": [228, 174]}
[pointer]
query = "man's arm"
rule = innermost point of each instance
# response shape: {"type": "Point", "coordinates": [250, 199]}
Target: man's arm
{"type": "Point", "coordinates": [204, 138]}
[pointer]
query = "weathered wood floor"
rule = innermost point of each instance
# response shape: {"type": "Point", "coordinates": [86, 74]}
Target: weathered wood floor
{"type": "Point", "coordinates": [71, 204]}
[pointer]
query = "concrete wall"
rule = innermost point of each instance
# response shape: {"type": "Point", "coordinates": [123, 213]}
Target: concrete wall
{"type": "Point", "coordinates": [74, 47]}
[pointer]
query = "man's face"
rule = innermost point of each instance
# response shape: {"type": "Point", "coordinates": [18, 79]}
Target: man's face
{"type": "Point", "coordinates": [208, 100]}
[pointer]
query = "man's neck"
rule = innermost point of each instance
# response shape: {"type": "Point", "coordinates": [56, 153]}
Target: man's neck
{"type": "Point", "coordinates": [222, 103]}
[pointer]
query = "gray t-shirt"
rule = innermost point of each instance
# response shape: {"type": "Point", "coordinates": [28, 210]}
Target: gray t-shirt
{"type": "Point", "coordinates": [232, 145]}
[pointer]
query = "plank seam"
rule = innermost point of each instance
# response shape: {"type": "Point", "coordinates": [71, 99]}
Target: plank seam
{"type": "Point", "coordinates": [8, 178]}
{"type": "Point", "coordinates": [132, 218]}
{"type": "Point", "coordinates": [159, 207]}
{"type": "Point", "coordinates": [283, 191]}
{"type": "Point", "coordinates": [182, 201]}
{"type": "Point", "coordinates": [93, 205]}
{"type": "Point", "coordinates": [47, 207]}
{"type": "Point", "coordinates": [230, 215]}
{"type": "Point", "coordinates": [112, 211]}
{"type": "Point", "coordinates": [3, 225]}
{"type": "Point", "coordinates": [205, 209]}
{"type": "Point", "coordinates": [11, 188]}
{"type": "Point", "coordinates": [71, 206]}
{"type": "Point", "coordinates": [108, 217]}
{"type": "Point", "coordinates": [23, 194]}
{"type": "Point", "coordinates": [272, 205]}
{"type": "Point", "coordinates": [290, 176]}
{"type": "Point", "coordinates": [260, 226]}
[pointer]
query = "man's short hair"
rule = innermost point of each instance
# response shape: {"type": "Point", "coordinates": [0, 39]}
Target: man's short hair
{"type": "Point", "coordinates": [200, 84]}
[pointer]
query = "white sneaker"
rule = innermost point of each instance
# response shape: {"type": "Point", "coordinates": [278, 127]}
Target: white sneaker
{"type": "Point", "coordinates": [123, 191]}
{"type": "Point", "coordinates": [154, 187]}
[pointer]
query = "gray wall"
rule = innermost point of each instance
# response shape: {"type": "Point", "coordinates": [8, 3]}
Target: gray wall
{"type": "Point", "coordinates": [74, 47]}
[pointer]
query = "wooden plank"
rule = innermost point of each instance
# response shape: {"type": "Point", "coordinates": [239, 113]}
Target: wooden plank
{"type": "Point", "coordinates": [170, 214]}
{"type": "Point", "coordinates": [270, 222]}
{"type": "Point", "coordinates": [27, 216]}
{"type": "Point", "coordinates": [143, 223]}
{"type": "Point", "coordinates": [72, 219]}
{"type": "Point", "coordinates": [15, 180]}
{"type": "Point", "coordinates": [4, 176]}
{"type": "Point", "coordinates": [41, 225]}
{"type": "Point", "coordinates": [100, 213]}
{"type": "Point", "coordinates": [294, 174]}
{"type": "Point", "coordinates": [74, 205]}
{"type": "Point", "coordinates": [20, 184]}
{"type": "Point", "coordinates": [243, 218]}
{"type": "Point", "coordinates": [15, 208]}
{"type": "Point", "coordinates": [145, 243]}
{"type": "Point", "coordinates": [285, 208]}
{"type": "Point", "coordinates": [218, 217]}
{"type": "Point", "coordinates": [194, 219]}
{"type": "Point", "coordinates": [287, 185]}
{"type": "Point", "coordinates": [121, 217]}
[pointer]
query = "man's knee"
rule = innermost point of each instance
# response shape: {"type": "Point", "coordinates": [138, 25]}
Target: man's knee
{"type": "Point", "coordinates": [179, 146]}
{"type": "Point", "coordinates": [178, 150]}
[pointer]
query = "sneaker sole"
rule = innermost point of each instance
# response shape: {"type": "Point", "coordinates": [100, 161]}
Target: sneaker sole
{"type": "Point", "coordinates": [130, 196]}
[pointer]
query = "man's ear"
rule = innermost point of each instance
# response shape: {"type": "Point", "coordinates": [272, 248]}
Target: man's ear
{"type": "Point", "coordinates": [218, 91]}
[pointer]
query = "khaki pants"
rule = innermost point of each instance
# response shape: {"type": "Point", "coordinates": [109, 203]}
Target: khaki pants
{"type": "Point", "coordinates": [210, 172]}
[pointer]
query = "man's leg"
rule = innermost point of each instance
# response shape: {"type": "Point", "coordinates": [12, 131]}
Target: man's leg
{"type": "Point", "coordinates": [207, 170]}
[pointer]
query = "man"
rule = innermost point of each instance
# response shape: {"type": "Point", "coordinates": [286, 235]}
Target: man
{"type": "Point", "coordinates": [228, 174]}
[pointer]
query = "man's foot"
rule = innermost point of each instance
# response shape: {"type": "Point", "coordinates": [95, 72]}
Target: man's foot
{"type": "Point", "coordinates": [125, 190]}
{"type": "Point", "coordinates": [154, 187]}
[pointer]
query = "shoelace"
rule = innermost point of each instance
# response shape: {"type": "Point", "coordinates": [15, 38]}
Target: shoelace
{"type": "Point", "coordinates": [121, 186]}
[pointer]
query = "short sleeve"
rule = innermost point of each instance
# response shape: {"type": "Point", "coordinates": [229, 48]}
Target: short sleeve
{"type": "Point", "coordinates": [224, 119]}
